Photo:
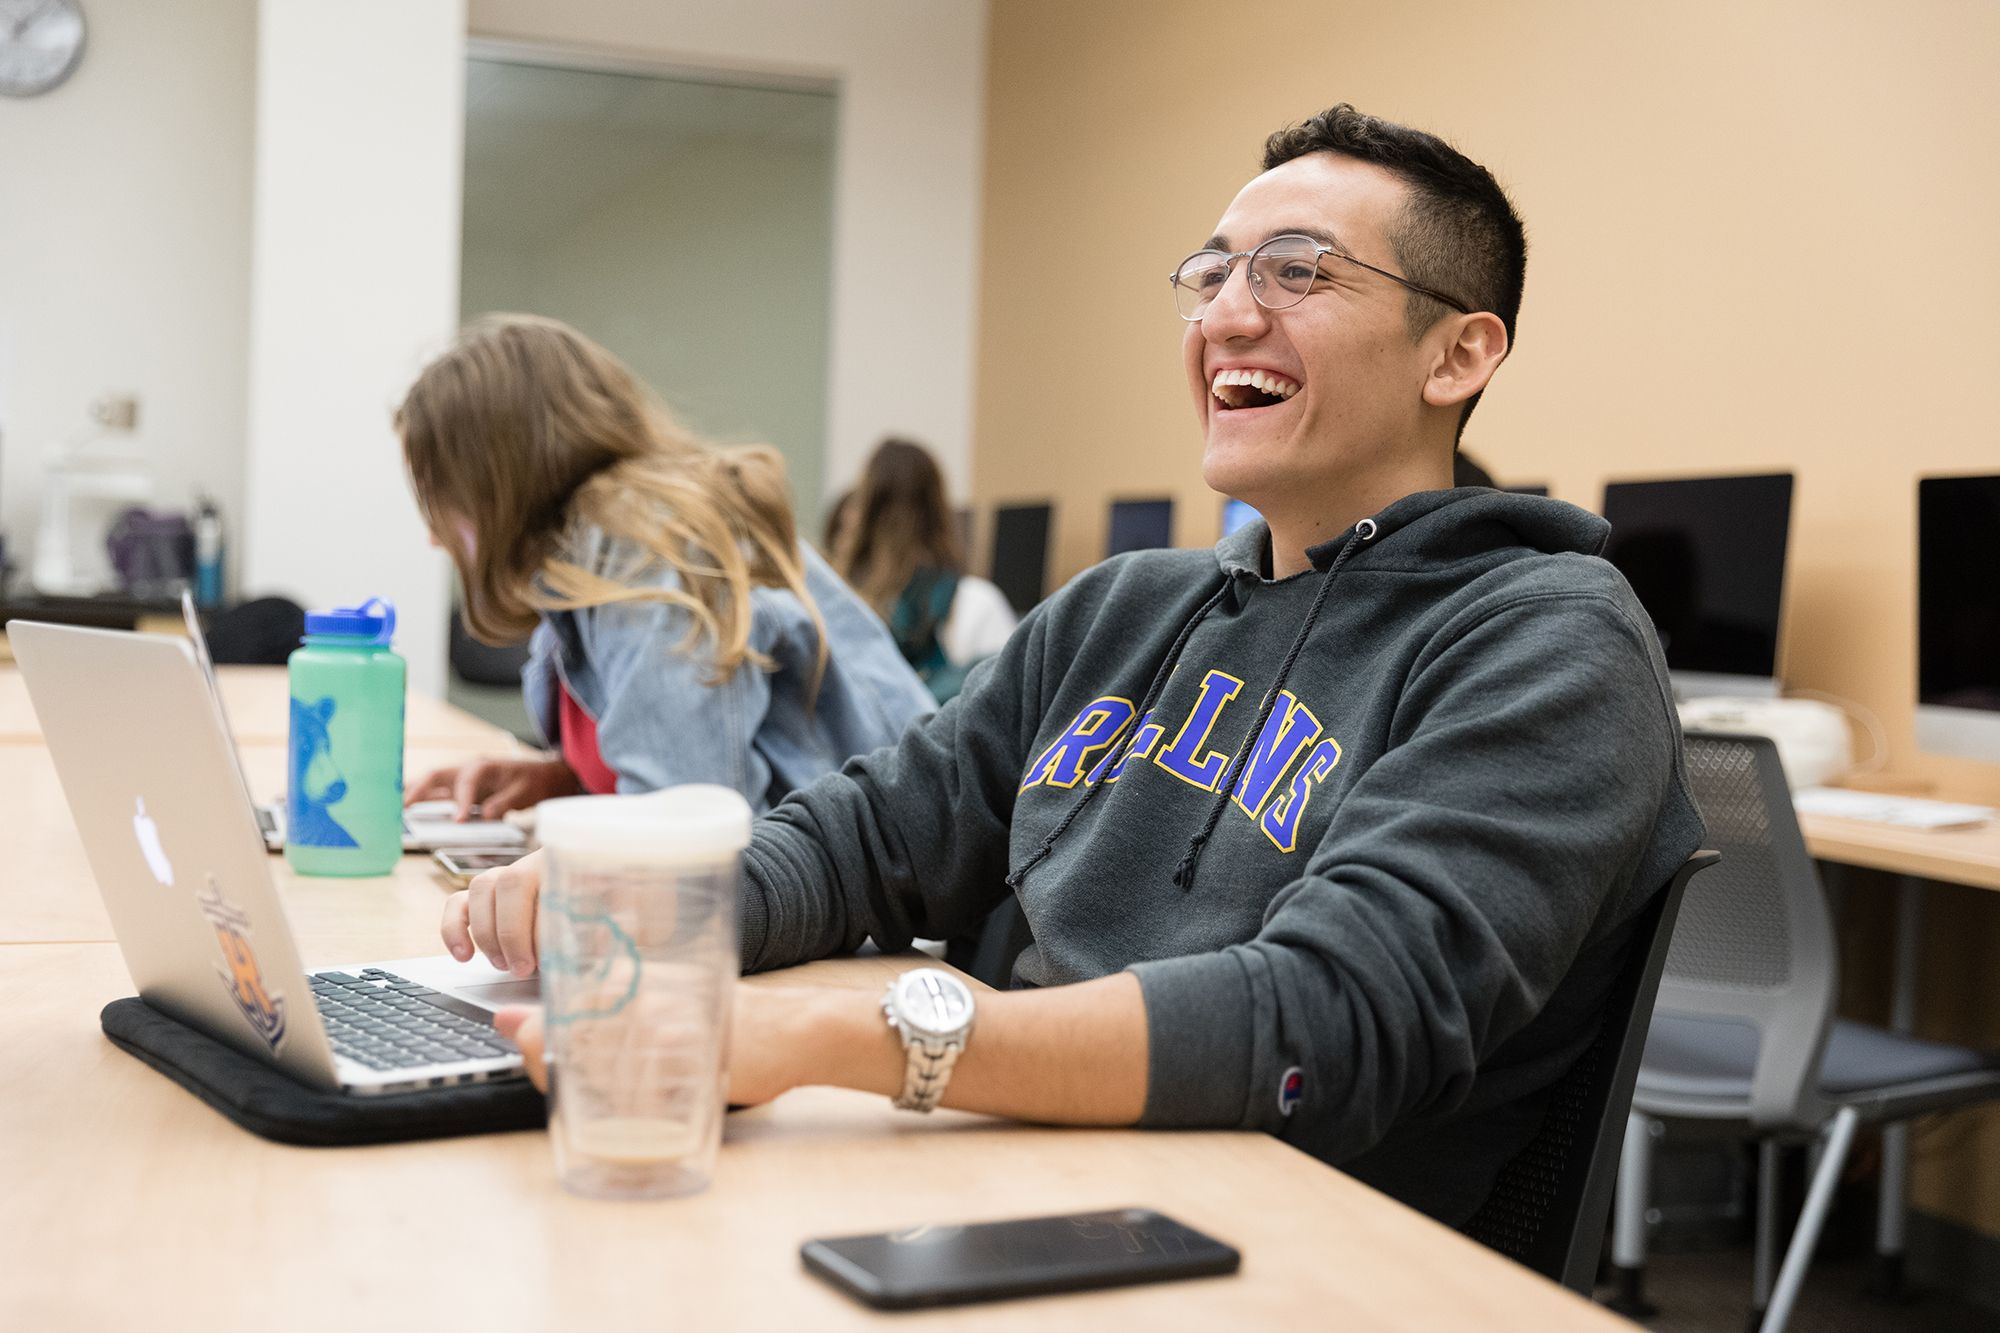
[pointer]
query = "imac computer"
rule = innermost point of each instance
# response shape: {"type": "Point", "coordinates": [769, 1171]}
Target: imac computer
{"type": "Point", "coordinates": [1706, 556]}
{"type": "Point", "coordinates": [1140, 525]}
{"type": "Point", "coordinates": [1958, 617]}
{"type": "Point", "coordinates": [1021, 553]}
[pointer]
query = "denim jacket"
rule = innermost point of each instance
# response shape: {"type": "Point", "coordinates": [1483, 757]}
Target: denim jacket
{"type": "Point", "coordinates": [659, 722]}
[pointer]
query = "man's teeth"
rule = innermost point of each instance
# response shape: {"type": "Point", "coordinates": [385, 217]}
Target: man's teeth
{"type": "Point", "coordinates": [1230, 386]}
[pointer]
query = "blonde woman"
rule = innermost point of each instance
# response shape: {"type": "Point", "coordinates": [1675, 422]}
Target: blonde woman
{"type": "Point", "coordinates": [681, 632]}
{"type": "Point", "coordinates": [892, 539]}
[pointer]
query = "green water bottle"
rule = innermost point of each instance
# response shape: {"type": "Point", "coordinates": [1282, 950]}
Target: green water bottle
{"type": "Point", "coordinates": [344, 793]}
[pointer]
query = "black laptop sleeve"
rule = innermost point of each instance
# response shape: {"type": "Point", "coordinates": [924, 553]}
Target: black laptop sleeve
{"type": "Point", "coordinates": [267, 1101]}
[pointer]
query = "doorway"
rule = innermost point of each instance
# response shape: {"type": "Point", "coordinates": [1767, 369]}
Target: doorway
{"type": "Point", "coordinates": [683, 222]}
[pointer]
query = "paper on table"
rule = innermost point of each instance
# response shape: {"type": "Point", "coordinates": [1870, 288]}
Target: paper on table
{"type": "Point", "coordinates": [1878, 808]}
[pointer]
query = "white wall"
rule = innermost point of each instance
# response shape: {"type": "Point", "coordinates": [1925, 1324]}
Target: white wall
{"type": "Point", "coordinates": [124, 244]}
{"type": "Point", "coordinates": [354, 285]}
{"type": "Point", "coordinates": [906, 198]}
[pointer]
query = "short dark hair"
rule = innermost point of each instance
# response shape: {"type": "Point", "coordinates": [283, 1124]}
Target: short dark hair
{"type": "Point", "coordinates": [1458, 233]}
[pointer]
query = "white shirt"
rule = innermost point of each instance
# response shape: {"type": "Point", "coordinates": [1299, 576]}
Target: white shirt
{"type": "Point", "coordinates": [979, 623]}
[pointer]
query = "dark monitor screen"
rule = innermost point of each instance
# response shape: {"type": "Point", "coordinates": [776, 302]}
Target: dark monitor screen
{"type": "Point", "coordinates": [1958, 592]}
{"type": "Point", "coordinates": [1527, 490]}
{"type": "Point", "coordinates": [1235, 514]}
{"type": "Point", "coordinates": [1706, 555]}
{"type": "Point", "coordinates": [1021, 553]}
{"type": "Point", "coordinates": [1140, 525]}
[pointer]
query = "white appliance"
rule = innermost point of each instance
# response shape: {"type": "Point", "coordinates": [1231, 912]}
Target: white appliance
{"type": "Point", "coordinates": [1812, 738]}
{"type": "Point", "coordinates": [83, 494]}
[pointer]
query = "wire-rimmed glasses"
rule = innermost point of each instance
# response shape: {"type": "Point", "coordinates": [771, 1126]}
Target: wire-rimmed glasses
{"type": "Point", "coordinates": [1281, 274]}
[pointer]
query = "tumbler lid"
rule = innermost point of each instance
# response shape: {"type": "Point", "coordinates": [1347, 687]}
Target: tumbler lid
{"type": "Point", "coordinates": [694, 822]}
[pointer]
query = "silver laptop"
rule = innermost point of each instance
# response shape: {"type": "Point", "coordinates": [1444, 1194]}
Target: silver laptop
{"type": "Point", "coordinates": [427, 825]}
{"type": "Point", "coordinates": [155, 789]}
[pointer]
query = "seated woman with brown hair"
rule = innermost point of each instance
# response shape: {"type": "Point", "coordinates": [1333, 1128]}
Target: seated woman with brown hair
{"type": "Point", "coordinates": [894, 543]}
{"type": "Point", "coordinates": [682, 633]}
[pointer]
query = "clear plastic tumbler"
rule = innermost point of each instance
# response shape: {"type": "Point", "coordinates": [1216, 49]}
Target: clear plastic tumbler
{"type": "Point", "coordinates": [637, 936]}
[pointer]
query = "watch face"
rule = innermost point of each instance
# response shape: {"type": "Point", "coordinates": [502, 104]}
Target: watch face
{"type": "Point", "coordinates": [934, 1003]}
{"type": "Point", "coordinates": [40, 43]}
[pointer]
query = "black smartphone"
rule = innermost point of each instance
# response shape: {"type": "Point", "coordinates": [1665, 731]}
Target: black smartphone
{"type": "Point", "coordinates": [986, 1261]}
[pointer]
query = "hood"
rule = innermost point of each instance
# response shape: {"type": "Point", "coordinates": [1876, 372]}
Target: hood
{"type": "Point", "coordinates": [1433, 528]}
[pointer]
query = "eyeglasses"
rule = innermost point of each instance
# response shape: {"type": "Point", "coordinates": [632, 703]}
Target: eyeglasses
{"type": "Point", "coordinates": [1282, 273]}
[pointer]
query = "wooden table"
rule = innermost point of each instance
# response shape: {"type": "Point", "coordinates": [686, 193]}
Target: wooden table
{"type": "Point", "coordinates": [1956, 856]}
{"type": "Point", "coordinates": [129, 1204]}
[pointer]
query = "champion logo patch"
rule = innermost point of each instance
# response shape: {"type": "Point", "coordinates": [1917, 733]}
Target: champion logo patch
{"type": "Point", "coordinates": [1290, 1088]}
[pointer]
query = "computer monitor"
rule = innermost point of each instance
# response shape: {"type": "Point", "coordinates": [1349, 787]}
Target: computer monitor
{"type": "Point", "coordinates": [1706, 555]}
{"type": "Point", "coordinates": [1235, 513]}
{"type": "Point", "coordinates": [1958, 617]}
{"type": "Point", "coordinates": [1527, 490]}
{"type": "Point", "coordinates": [1021, 553]}
{"type": "Point", "coordinates": [1140, 525]}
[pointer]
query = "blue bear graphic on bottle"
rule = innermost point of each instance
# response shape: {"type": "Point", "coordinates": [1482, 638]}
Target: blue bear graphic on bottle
{"type": "Point", "coordinates": [316, 783]}
{"type": "Point", "coordinates": [345, 802]}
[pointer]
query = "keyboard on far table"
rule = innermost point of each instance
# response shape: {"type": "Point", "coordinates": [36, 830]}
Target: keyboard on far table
{"type": "Point", "coordinates": [1881, 808]}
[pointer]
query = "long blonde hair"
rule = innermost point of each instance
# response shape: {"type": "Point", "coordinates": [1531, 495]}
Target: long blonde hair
{"type": "Point", "coordinates": [894, 523]}
{"type": "Point", "coordinates": [526, 436]}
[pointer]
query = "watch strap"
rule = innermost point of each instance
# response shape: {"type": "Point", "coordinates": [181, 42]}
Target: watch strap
{"type": "Point", "coordinates": [926, 1070]}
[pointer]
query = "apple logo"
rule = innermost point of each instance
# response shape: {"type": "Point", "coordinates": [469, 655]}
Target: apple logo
{"type": "Point", "coordinates": [148, 834]}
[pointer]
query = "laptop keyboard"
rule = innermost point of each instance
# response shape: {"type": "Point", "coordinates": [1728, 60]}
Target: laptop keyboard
{"type": "Point", "coordinates": [384, 1021]}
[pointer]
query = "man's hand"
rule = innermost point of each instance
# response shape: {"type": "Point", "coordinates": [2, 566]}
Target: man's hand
{"type": "Point", "coordinates": [496, 915]}
{"type": "Point", "coordinates": [495, 786]}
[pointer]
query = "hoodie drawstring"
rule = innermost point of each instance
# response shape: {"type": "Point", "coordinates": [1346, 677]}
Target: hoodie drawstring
{"type": "Point", "coordinates": [1118, 751]}
{"type": "Point", "coordinates": [1184, 873]}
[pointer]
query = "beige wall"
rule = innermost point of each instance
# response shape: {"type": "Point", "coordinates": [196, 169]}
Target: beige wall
{"type": "Point", "coordinates": [1762, 238]}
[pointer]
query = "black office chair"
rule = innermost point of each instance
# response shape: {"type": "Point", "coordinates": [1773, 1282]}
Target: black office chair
{"type": "Point", "coordinates": [261, 632]}
{"type": "Point", "coordinates": [482, 663]}
{"type": "Point", "coordinates": [1549, 1205]}
{"type": "Point", "coordinates": [990, 951]}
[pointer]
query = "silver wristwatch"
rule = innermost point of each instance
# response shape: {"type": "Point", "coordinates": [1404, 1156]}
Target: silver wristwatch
{"type": "Point", "coordinates": [931, 1011]}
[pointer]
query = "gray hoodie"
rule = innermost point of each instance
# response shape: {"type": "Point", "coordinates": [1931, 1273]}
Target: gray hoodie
{"type": "Point", "coordinates": [1372, 837]}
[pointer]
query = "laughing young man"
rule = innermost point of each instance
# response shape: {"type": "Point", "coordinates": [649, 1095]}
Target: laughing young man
{"type": "Point", "coordinates": [1337, 831]}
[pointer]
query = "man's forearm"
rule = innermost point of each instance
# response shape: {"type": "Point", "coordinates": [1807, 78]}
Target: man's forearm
{"type": "Point", "coordinates": [1071, 1055]}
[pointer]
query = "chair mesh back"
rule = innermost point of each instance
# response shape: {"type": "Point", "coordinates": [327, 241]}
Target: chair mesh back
{"type": "Point", "coordinates": [1548, 1204]}
{"type": "Point", "coordinates": [1530, 1192]}
{"type": "Point", "coordinates": [1734, 929]}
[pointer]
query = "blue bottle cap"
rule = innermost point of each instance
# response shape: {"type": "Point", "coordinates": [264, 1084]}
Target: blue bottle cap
{"type": "Point", "coordinates": [374, 621]}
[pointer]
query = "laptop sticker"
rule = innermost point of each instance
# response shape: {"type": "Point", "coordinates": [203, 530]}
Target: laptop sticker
{"type": "Point", "coordinates": [264, 1008]}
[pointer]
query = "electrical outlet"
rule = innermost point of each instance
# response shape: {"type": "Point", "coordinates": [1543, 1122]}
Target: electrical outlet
{"type": "Point", "coordinates": [116, 411]}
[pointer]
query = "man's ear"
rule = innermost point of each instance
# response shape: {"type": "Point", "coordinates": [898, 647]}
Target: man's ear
{"type": "Point", "coordinates": [1466, 362]}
